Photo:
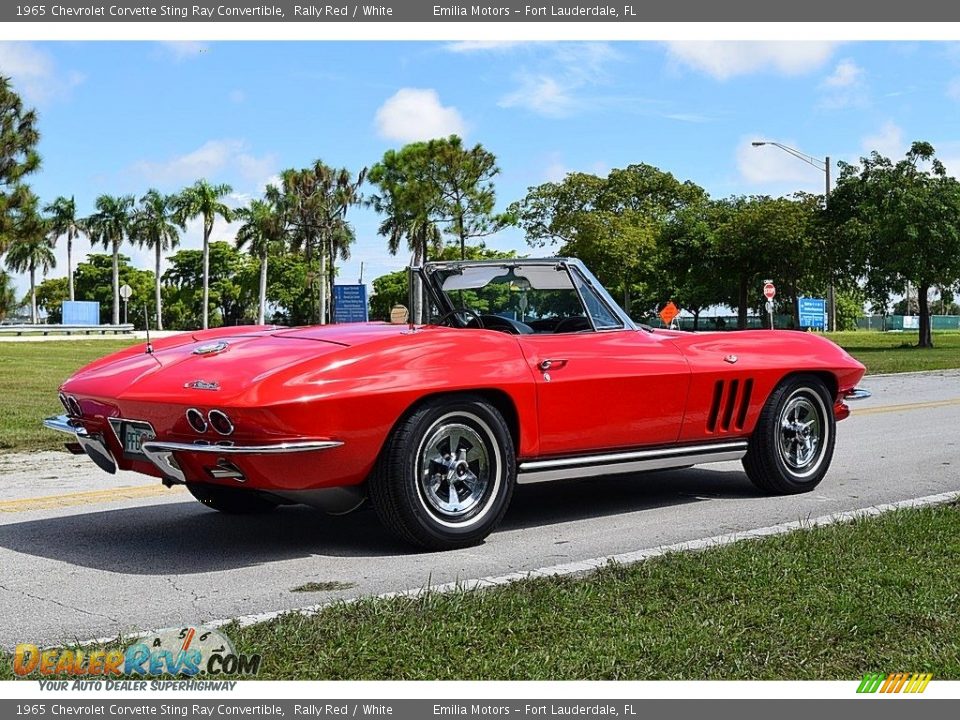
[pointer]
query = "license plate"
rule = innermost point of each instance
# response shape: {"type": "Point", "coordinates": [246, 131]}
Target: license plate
{"type": "Point", "coordinates": [134, 434]}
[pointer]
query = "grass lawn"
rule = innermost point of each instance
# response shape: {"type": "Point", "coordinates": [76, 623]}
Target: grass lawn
{"type": "Point", "coordinates": [897, 352]}
{"type": "Point", "coordinates": [30, 373]}
{"type": "Point", "coordinates": [879, 594]}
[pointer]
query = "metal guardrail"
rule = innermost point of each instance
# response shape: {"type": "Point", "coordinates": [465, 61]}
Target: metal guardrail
{"type": "Point", "coordinates": [67, 329]}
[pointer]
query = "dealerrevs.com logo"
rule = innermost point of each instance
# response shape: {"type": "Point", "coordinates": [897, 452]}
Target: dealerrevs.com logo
{"type": "Point", "coordinates": [189, 651]}
{"type": "Point", "coordinates": [910, 683]}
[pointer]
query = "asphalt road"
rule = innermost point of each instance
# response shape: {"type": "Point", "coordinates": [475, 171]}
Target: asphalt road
{"type": "Point", "coordinates": [86, 555]}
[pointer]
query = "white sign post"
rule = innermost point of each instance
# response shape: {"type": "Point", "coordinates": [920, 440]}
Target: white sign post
{"type": "Point", "coordinates": [125, 292]}
{"type": "Point", "coordinates": [769, 292]}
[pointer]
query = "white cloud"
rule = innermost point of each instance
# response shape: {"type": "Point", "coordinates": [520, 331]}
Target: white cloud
{"type": "Point", "coordinates": [34, 73]}
{"type": "Point", "coordinates": [413, 114]}
{"type": "Point", "coordinates": [555, 171]}
{"type": "Point", "coordinates": [556, 84]}
{"type": "Point", "coordinates": [723, 59]}
{"type": "Point", "coordinates": [888, 141]}
{"type": "Point", "coordinates": [770, 170]}
{"type": "Point", "coordinates": [846, 73]}
{"type": "Point", "coordinates": [470, 46]}
{"type": "Point", "coordinates": [953, 89]}
{"type": "Point", "coordinates": [541, 94]}
{"type": "Point", "coordinates": [214, 159]}
{"type": "Point", "coordinates": [181, 50]}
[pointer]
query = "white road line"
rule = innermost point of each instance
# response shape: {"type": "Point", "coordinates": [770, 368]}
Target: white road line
{"type": "Point", "coordinates": [583, 567]}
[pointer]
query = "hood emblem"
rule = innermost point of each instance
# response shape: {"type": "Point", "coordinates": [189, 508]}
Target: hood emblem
{"type": "Point", "coordinates": [202, 385]}
{"type": "Point", "coordinates": [731, 359]}
{"type": "Point", "coordinates": [211, 348]}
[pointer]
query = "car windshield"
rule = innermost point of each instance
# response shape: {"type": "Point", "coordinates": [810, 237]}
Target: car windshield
{"type": "Point", "coordinates": [524, 299]}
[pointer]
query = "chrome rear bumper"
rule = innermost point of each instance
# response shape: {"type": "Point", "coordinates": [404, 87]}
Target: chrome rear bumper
{"type": "Point", "coordinates": [161, 453]}
{"type": "Point", "coordinates": [857, 394]}
{"type": "Point", "coordinates": [93, 444]}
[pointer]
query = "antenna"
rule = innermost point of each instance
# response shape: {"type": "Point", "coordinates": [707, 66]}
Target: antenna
{"type": "Point", "coordinates": [146, 324]}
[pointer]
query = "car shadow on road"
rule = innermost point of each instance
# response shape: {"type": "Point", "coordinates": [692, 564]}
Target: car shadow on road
{"type": "Point", "coordinates": [185, 538]}
{"type": "Point", "coordinates": [549, 503]}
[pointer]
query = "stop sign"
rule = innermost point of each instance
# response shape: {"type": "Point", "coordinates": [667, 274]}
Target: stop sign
{"type": "Point", "coordinates": [769, 290]}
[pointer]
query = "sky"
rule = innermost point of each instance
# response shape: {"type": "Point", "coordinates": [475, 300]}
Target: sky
{"type": "Point", "coordinates": [123, 117]}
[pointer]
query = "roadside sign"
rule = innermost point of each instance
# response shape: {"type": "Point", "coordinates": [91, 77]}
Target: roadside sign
{"type": "Point", "coordinates": [769, 306]}
{"type": "Point", "coordinates": [813, 312]}
{"type": "Point", "coordinates": [350, 303]}
{"type": "Point", "coordinates": [669, 312]}
{"type": "Point", "coordinates": [126, 291]}
{"type": "Point", "coordinates": [769, 290]}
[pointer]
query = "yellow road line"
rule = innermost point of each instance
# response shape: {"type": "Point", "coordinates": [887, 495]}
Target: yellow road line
{"type": "Point", "coordinates": [904, 408]}
{"type": "Point", "coordinates": [91, 497]}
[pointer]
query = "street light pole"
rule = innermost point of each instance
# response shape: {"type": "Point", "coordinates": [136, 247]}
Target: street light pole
{"type": "Point", "coordinates": [824, 167]}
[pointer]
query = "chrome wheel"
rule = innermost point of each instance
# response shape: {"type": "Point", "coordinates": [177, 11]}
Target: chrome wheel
{"type": "Point", "coordinates": [454, 468]}
{"type": "Point", "coordinates": [803, 433]}
{"type": "Point", "coordinates": [447, 473]}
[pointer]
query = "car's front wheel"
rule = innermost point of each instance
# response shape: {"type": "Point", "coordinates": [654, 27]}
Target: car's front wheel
{"type": "Point", "coordinates": [447, 473]}
{"type": "Point", "coordinates": [232, 501]}
{"type": "Point", "coordinates": [792, 446]}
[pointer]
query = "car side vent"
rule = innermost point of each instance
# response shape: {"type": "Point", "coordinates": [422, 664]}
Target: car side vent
{"type": "Point", "coordinates": [715, 406]}
{"type": "Point", "coordinates": [728, 408]}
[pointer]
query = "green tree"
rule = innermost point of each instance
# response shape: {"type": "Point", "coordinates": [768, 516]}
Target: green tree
{"type": "Point", "coordinates": [614, 224]}
{"type": "Point", "coordinates": [462, 179]}
{"type": "Point", "coordinates": [288, 290]}
{"type": "Point", "coordinates": [901, 222]}
{"type": "Point", "coordinates": [688, 262]}
{"type": "Point", "coordinates": [18, 158]}
{"type": "Point", "coordinates": [204, 200]}
{"type": "Point", "coordinates": [440, 184]}
{"type": "Point", "coordinates": [263, 230]}
{"type": "Point", "coordinates": [228, 292]}
{"type": "Point", "coordinates": [108, 227]}
{"type": "Point", "coordinates": [93, 282]}
{"type": "Point", "coordinates": [8, 297]}
{"type": "Point", "coordinates": [31, 248]}
{"type": "Point", "coordinates": [314, 202]}
{"type": "Point", "coordinates": [62, 220]}
{"type": "Point", "coordinates": [51, 294]}
{"type": "Point", "coordinates": [154, 225]}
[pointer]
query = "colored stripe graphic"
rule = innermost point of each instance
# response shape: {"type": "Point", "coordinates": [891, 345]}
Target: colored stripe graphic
{"type": "Point", "coordinates": [894, 683]}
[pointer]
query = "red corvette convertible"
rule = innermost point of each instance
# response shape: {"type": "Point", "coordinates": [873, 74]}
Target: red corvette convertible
{"type": "Point", "coordinates": [528, 372]}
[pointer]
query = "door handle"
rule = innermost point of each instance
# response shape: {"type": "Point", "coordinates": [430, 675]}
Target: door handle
{"type": "Point", "coordinates": [551, 364]}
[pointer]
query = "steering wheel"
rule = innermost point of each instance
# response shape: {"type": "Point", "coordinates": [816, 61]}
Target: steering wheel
{"type": "Point", "coordinates": [574, 323]}
{"type": "Point", "coordinates": [456, 311]}
{"type": "Point", "coordinates": [496, 322]}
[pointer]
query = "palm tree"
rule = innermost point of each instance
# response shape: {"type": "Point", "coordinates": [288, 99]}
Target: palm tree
{"type": "Point", "coordinates": [154, 226]}
{"type": "Point", "coordinates": [339, 191]}
{"type": "Point", "coordinates": [31, 248]}
{"type": "Point", "coordinates": [63, 220]}
{"type": "Point", "coordinates": [263, 229]}
{"type": "Point", "coordinates": [108, 226]}
{"type": "Point", "coordinates": [316, 201]}
{"type": "Point", "coordinates": [8, 298]}
{"type": "Point", "coordinates": [203, 200]}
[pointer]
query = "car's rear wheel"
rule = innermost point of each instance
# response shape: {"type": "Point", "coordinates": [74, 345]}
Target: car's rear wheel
{"type": "Point", "coordinates": [792, 446]}
{"type": "Point", "coordinates": [233, 501]}
{"type": "Point", "coordinates": [447, 473]}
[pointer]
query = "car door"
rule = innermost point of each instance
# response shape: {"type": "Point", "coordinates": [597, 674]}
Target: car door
{"type": "Point", "coordinates": [606, 390]}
